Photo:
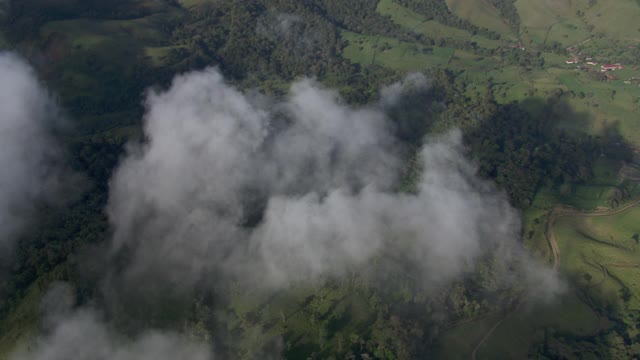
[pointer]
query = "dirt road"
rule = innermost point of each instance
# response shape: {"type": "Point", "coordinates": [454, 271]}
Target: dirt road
{"type": "Point", "coordinates": [555, 214]}
{"type": "Point", "coordinates": [563, 211]}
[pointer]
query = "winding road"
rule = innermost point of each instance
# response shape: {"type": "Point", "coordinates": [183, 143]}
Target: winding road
{"type": "Point", "coordinates": [558, 212]}
{"type": "Point", "coordinates": [563, 211]}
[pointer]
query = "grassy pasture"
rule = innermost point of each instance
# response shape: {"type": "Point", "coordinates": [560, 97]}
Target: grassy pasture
{"type": "Point", "coordinates": [588, 197]}
{"type": "Point", "coordinates": [419, 24]}
{"type": "Point", "coordinates": [520, 330]}
{"type": "Point", "coordinates": [581, 196]}
{"type": "Point", "coordinates": [601, 253]}
{"type": "Point", "coordinates": [605, 105]}
{"type": "Point", "coordinates": [569, 31]}
{"type": "Point", "coordinates": [587, 247]}
{"type": "Point", "coordinates": [611, 105]}
{"type": "Point", "coordinates": [88, 33]}
{"type": "Point", "coordinates": [321, 318]}
{"type": "Point", "coordinates": [20, 328]}
{"type": "Point", "coordinates": [392, 53]}
{"type": "Point", "coordinates": [598, 193]}
{"type": "Point", "coordinates": [476, 68]}
{"type": "Point", "coordinates": [622, 228]}
{"type": "Point", "coordinates": [600, 190]}
{"type": "Point", "coordinates": [615, 18]}
{"type": "Point", "coordinates": [570, 22]}
{"type": "Point", "coordinates": [544, 21]}
{"type": "Point", "coordinates": [481, 14]}
{"type": "Point", "coordinates": [458, 342]}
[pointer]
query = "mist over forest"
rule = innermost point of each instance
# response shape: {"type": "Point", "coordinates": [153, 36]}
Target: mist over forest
{"type": "Point", "coordinates": [308, 180]}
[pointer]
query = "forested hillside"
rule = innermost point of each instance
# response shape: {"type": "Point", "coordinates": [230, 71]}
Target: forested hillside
{"type": "Point", "coordinates": [315, 179]}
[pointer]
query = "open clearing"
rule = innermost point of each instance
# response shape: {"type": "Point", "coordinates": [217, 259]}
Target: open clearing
{"type": "Point", "coordinates": [569, 22]}
{"type": "Point", "coordinates": [515, 335]}
{"type": "Point", "coordinates": [606, 105]}
{"type": "Point", "coordinates": [515, 332]}
{"type": "Point", "coordinates": [458, 342]}
{"type": "Point", "coordinates": [601, 254]}
{"type": "Point", "coordinates": [392, 53]}
{"type": "Point", "coordinates": [481, 14]}
{"type": "Point", "coordinates": [419, 24]}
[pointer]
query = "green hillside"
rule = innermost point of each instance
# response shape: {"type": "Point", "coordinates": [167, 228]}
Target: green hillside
{"type": "Point", "coordinates": [558, 140]}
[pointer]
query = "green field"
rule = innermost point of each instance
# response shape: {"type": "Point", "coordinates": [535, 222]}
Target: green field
{"type": "Point", "coordinates": [570, 22]}
{"type": "Point", "coordinates": [419, 24]}
{"type": "Point", "coordinates": [20, 328]}
{"type": "Point", "coordinates": [519, 331]}
{"type": "Point", "coordinates": [617, 19]}
{"type": "Point", "coordinates": [600, 193]}
{"type": "Point", "coordinates": [607, 105]}
{"type": "Point", "coordinates": [459, 342]}
{"type": "Point", "coordinates": [601, 257]}
{"type": "Point", "coordinates": [546, 21]}
{"type": "Point", "coordinates": [90, 32]}
{"type": "Point", "coordinates": [481, 14]}
{"type": "Point", "coordinates": [392, 53]}
{"type": "Point", "coordinates": [601, 253]}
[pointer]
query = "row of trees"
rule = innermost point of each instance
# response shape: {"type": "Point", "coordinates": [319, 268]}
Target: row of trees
{"type": "Point", "coordinates": [508, 11]}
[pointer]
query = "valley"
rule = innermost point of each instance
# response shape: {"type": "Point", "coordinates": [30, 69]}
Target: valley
{"type": "Point", "coordinates": [545, 96]}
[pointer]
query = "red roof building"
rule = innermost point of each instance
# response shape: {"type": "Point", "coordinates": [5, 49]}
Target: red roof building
{"type": "Point", "coordinates": [612, 67]}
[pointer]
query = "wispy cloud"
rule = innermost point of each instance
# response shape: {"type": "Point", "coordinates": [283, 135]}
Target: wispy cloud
{"type": "Point", "coordinates": [29, 156]}
{"type": "Point", "coordinates": [82, 334]}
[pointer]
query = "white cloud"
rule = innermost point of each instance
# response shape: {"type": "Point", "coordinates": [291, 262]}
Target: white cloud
{"type": "Point", "coordinates": [83, 336]}
{"type": "Point", "coordinates": [390, 95]}
{"type": "Point", "coordinates": [324, 174]}
{"type": "Point", "coordinates": [29, 157]}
